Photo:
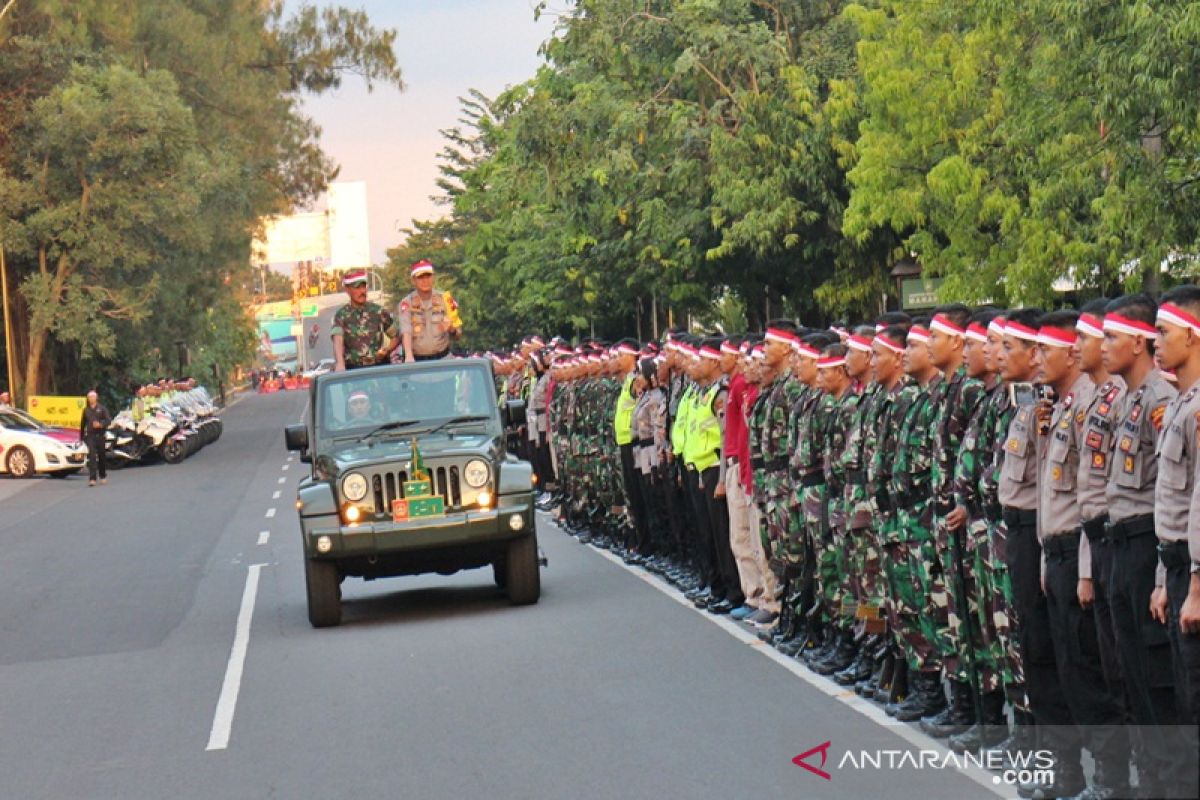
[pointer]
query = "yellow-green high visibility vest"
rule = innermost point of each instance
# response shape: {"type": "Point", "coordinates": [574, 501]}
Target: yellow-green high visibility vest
{"type": "Point", "coordinates": [703, 446]}
{"type": "Point", "coordinates": [623, 414]}
{"type": "Point", "coordinates": [679, 428]}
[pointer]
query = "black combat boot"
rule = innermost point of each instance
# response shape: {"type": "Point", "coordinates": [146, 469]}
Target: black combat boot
{"type": "Point", "coordinates": [957, 717]}
{"type": "Point", "coordinates": [845, 651]}
{"type": "Point", "coordinates": [1022, 738]}
{"type": "Point", "coordinates": [881, 677]}
{"type": "Point", "coordinates": [898, 692]}
{"type": "Point", "coordinates": [926, 698]}
{"type": "Point", "coordinates": [992, 731]}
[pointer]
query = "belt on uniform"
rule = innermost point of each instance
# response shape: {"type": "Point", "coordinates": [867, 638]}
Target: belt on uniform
{"type": "Point", "coordinates": [431, 356]}
{"type": "Point", "coordinates": [1061, 546]}
{"type": "Point", "coordinates": [1094, 528]}
{"type": "Point", "coordinates": [1019, 517]}
{"type": "Point", "coordinates": [1130, 528]}
{"type": "Point", "coordinates": [1174, 555]}
{"type": "Point", "coordinates": [856, 477]}
{"type": "Point", "coordinates": [776, 464]}
{"type": "Point", "coordinates": [642, 442]}
{"type": "Point", "coordinates": [813, 479]}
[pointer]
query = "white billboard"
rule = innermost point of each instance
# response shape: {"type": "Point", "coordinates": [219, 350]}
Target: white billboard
{"type": "Point", "coordinates": [349, 233]}
{"type": "Point", "coordinates": [299, 237]}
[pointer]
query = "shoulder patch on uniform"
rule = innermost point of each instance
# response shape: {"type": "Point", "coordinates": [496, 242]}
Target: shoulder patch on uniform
{"type": "Point", "coordinates": [450, 302]}
{"type": "Point", "coordinates": [404, 305]}
{"type": "Point", "coordinates": [1156, 417]}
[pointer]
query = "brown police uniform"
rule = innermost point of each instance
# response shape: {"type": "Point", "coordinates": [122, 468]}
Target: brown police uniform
{"type": "Point", "coordinates": [423, 319]}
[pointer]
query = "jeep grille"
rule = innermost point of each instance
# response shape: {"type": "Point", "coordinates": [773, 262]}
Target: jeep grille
{"type": "Point", "coordinates": [388, 485]}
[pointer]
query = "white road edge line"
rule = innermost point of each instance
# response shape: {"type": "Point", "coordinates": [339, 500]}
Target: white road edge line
{"type": "Point", "coordinates": [270, 513]}
{"type": "Point", "coordinates": [864, 707]}
{"type": "Point", "coordinates": [264, 537]}
{"type": "Point", "coordinates": [218, 737]}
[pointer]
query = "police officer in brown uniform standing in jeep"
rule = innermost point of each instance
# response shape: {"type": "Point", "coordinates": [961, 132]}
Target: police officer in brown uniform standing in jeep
{"type": "Point", "coordinates": [429, 320]}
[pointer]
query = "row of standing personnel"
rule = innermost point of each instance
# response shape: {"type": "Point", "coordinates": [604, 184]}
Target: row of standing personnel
{"type": "Point", "coordinates": [976, 518]}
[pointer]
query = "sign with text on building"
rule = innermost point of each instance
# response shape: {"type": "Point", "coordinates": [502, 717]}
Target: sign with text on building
{"type": "Point", "coordinates": [920, 292]}
{"type": "Point", "coordinates": [65, 412]}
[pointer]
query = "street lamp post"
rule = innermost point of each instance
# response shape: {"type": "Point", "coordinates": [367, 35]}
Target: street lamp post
{"type": "Point", "coordinates": [9, 357]}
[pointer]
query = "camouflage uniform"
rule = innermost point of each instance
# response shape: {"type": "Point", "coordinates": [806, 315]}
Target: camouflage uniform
{"type": "Point", "coordinates": [897, 581]}
{"type": "Point", "coordinates": [810, 436]}
{"type": "Point", "coordinates": [958, 398]}
{"type": "Point", "coordinates": [365, 330]}
{"type": "Point", "coordinates": [972, 473]}
{"type": "Point", "coordinates": [912, 488]}
{"type": "Point", "coordinates": [863, 566]}
{"type": "Point", "coordinates": [843, 600]}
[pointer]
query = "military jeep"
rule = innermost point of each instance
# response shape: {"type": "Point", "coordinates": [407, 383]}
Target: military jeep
{"type": "Point", "coordinates": [410, 475]}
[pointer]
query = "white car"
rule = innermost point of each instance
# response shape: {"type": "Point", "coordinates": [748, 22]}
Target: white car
{"type": "Point", "coordinates": [28, 447]}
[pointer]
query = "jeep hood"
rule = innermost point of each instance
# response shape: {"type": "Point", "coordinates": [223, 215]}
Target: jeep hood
{"type": "Point", "coordinates": [351, 455]}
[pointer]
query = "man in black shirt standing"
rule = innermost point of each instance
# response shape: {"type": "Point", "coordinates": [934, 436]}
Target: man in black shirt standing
{"type": "Point", "coordinates": [91, 430]}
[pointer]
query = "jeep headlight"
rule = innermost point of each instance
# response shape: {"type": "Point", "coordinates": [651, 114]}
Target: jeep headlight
{"type": "Point", "coordinates": [354, 487]}
{"type": "Point", "coordinates": [475, 473]}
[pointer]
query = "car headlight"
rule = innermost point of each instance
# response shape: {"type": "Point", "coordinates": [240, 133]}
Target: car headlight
{"type": "Point", "coordinates": [354, 487]}
{"type": "Point", "coordinates": [475, 473]}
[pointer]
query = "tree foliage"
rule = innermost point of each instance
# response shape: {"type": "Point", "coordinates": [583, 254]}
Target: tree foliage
{"type": "Point", "coordinates": [141, 141]}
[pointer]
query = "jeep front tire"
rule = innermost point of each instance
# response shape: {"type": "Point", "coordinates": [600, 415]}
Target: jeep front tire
{"type": "Point", "coordinates": [521, 567]}
{"type": "Point", "coordinates": [324, 593]}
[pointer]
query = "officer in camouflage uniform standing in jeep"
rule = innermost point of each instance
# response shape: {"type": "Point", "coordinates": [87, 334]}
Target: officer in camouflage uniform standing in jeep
{"type": "Point", "coordinates": [363, 333]}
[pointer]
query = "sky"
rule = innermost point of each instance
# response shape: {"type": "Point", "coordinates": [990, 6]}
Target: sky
{"type": "Point", "coordinates": [389, 138]}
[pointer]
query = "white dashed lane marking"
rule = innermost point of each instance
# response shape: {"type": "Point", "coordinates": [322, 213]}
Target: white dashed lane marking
{"type": "Point", "coordinates": [270, 513]}
{"type": "Point", "coordinates": [276, 495]}
{"type": "Point", "coordinates": [283, 480]}
{"type": "Point", "coordinates": [263, 537]}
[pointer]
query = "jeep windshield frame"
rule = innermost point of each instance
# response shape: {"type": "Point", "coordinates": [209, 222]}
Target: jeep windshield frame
{"type": "Point", "coordinates": [424, 396]}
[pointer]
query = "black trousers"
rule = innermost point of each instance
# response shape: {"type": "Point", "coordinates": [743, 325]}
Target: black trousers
{"type": "Point", "coordinates": [1102, 561]}
{"type": "Point", "coordinates": [1023, 555]}
{"type": "Point", "coordinates": [1077, 655]}
{"type": "Point", "coordinates": [633, 494]}
{"type": "Point", "coordinates": [1185, 651]}
{"type": "Point", "coordinates": [1144, 648]}
{"type": "Point", "coordinates": [718, 520]}
{"type": "Point", "coordinates": [678, 507]}
{"type": "Point", "coordinates": [97, 458]}
{"type": "Point", "coordinates": [702, 537]}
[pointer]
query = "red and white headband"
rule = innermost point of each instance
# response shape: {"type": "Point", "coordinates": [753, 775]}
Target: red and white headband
{"type": "Point", "coordinates": [728, 348]}
{"type": "Point", "coordinates": [806, 350]}
{"type": "Point", "coordinates": [918, 334]}
{"type": "Point", "coordinates": [1173, 314]}
{"type": "Point", "coordinates": [1090, 325]}
{"type": "Point", "coordinates": [421, 268]}
{"type": "Point", "coordinates": [1056, 337]}
{"type": "Point", "coordinates": [860, 343]}
{"type": "Point", "coordinates": [780, 335]}
{"type": "Point", "coordinates": [997, 326]}
{"type": "Point", "coordinates": [943, 324]}
{"type": "Point", "coordinates": [825, 362]}
{"type": "Point", "coordinates": [977, 333]}
{"type": "Point", "coordinates": [710, 352]}
{"type": "Point", "coordinates": [1020, 331]}
{"type": "Point", "coordinates": [1121, 324]}
{"type": "Point", "coordinates": [882, 339]}
{"type": "Point", "coordinates": [627, 350]}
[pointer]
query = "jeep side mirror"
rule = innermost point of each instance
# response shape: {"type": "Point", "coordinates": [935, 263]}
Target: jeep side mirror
{"type": "Point", "coordinates": [296, 437]}
{"type": "Point", "coordinates": [514, 413]}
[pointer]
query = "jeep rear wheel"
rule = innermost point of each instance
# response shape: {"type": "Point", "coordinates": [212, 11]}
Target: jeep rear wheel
{"type": "Point", "coordinates": [521, 568]}
{"type": "Point", "coordinates": [324, 593]}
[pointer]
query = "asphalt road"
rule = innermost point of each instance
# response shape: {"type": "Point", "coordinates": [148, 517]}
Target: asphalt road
{"type": "Point", "coordinates": [119, 614]}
